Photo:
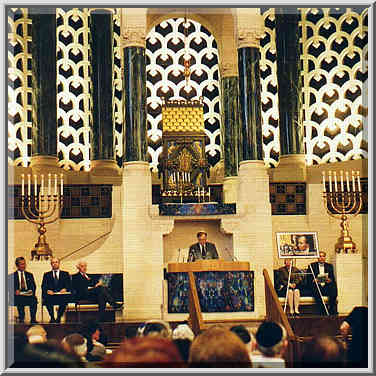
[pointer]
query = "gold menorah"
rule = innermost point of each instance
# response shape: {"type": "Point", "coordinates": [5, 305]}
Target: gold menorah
{"type": "Point", "coordinates": [41, 210]}
{"type": "Point", "coordinates": [345, 202]}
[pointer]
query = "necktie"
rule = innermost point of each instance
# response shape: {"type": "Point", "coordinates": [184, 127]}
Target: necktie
{"type": "Point", "coordinates": [203, 251]}
{"type": "Point", "coordinates": [55, 278]}
{"type": "Point", "coordinates": [86, 276]}
{"type": "Point", "coordinates": [23, 283]}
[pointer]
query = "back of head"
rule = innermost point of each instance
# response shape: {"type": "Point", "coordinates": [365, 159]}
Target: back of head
{"type": "Point", "coordinates": [324, 352]}
{"type": "Point", "coordinates": [75, 343]}
{"type": "Point", "coordinates": [218, 347]}
{"type": "Point", "coordinates": [242, 333]}
{"type": "Point", "coordinates": [36, 334]}
{"type": "Point", "coordinates": [144, 352]}
{"type": "Point", "coordinates": [157, 328]}
{"type": "Point", "coordinates": [183, 331]}
{"type": "Point", "coordinates": [271, 339]}
{"type": "Point", "coordinates": [48, 355]}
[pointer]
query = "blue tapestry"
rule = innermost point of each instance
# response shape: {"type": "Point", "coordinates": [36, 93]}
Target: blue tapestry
{"type": "Point", "coordinates": [196, 209]}
{"type": "Point", "coordinates": [217, 291]}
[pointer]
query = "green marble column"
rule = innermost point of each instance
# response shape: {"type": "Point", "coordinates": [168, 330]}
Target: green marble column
{"type": "Point", "coordinates": [135, 104]}
{"type": "Point", "coordinates": [250, 104]}
{"type": "Point", "coordinates": [230, 124]}
{"type": "Point", "coordinates": [43, 50]}
{"type": "Point", "coordinates": [290, 82]}
{"type": "Point", "coordinates": [102, 64]}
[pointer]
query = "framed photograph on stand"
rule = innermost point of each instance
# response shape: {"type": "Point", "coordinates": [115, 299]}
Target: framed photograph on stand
{"type": "Point", "coordinates": [297, 244]}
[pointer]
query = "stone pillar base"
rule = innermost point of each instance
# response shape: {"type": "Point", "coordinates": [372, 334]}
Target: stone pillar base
{"type": "Point", "coordinates": [230, 189]}
{"type": "Point", "coordinates": [291, 168]}
{"type": "Point", "coordinates": [45, 164]}
{"type": "Point", "coordinates": [349, 276]}
{"type": "Point", "coordinates": [105, 167]}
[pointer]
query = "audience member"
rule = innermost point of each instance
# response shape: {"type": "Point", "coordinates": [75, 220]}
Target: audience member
{"type": "Point", "coordinates": [327, 287]}
{"type": "Point", "coordinates": [144, 352]}
{"type": "Point", "coordinates": [22, 291]}
{"type": "Point", "coordinates": [218, 347]}
{"type": "Point", "coordinates": [95, 349]}
{"type": "Point", "coordinates": [155, 328]}
{"type": "Point", "coordinates": [76, 344]}
{"type": "Point", "coordinates": [292, 289]}
{"type": "Point", "coordinates": [47, 355]}
{"type": "Point", "coordinates": [246, 336]}
{"type": "Point", "coordinates": [357, 321]}
{"type": "Point", "coordinates": [36, 334]}
{"type": "Point", "coordinates": [56, 283]}
{"type": "Point", "coordinates": [323, 352]}
{"type": "Point", "coordinates": [86, 288]}
{"type": "Point", "coordinates": [271, 340]}
{"type": "Point", "coordinates": [182, 337]}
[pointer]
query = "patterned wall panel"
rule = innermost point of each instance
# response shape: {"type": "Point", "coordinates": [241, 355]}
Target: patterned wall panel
{"type": "Point", "coordinates": [19, 87]}
{"type": "Point", "coordinates": [164, 53]}
{"type": "Point", "coordinates": [80, 201]}
{"type": "Point", "coordinates": [288, 198]}
{"type": "Point", "coordinates": [335, 62]}
{"type": "Point", "coordinates": [269, 93]}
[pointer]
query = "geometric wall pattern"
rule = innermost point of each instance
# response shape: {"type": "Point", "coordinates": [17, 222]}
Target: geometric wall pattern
{"type": "Point", "coordinates": [288, 198]}
{"type": "Point", "coordinates": [335, 53]}
{"type": "Point", "coordinates": [165, 78]}
{"type": "Point", "coordinates": [334, 60]}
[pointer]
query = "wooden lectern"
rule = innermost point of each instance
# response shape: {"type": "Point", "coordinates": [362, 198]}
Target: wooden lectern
{"type": "Point", "coordinates": [195, 319]}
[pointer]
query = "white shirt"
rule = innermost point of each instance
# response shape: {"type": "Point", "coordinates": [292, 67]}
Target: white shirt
{"type": "Point", "coordinates": [261, 361]}
{"type": "Point", "coordinates": [19, 278]}
{"type": "Point", "coordinates": [321, 269]}
{"type": "Point", "coordinates": [57, 273]}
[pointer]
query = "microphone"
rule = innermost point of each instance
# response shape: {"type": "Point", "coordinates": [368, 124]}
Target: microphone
{"type": "Point", "coordinates": [233, 258]}
{"type": "Point", "coordinates": [178, 255]}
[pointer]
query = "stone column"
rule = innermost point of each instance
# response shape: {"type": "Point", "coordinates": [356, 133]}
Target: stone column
{"type": "Point", "coordinates": [290, 97]}
{"type": "Point", "coordinates": [143, 262]}
{"type": "Point", "coordinates": [250, 90]}
{"type": "Point", "coordinates": [44, 114]}
{"type": "Point", "coordinates": [102, 64]}
{"type": "Point", "coordinates": [230, 115]}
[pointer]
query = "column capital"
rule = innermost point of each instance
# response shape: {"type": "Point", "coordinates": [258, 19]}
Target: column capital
{"type": "Point", "coordinates": [228, 69]}
{"type": "Point", "coordinates": [250, 36]}
{"type": "Point", "coordinates": [133, 36]}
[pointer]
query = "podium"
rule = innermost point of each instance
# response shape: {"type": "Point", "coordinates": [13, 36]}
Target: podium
{"type": "Point", "coordinates": [195, 319]}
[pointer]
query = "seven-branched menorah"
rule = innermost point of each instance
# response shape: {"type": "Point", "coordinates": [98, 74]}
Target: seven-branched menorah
{"type": "Point", "coordinates": [42, 209]}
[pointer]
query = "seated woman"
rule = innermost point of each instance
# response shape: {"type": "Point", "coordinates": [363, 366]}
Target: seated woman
{"type": "Point", "coordinates": [293, 295]}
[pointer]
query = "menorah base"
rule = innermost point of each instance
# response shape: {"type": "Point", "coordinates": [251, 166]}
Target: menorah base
{"type": "Point", "coordinates": [41, 250]}
{"type": "Point", "coordinates": [345, 245]}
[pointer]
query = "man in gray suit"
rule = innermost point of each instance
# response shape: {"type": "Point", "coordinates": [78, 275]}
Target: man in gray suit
{"type": "Point", "coordinates": [202, 250]}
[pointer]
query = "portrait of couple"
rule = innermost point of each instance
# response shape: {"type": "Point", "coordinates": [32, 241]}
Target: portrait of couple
{"type": "Point", "coordinates": [297, 244]}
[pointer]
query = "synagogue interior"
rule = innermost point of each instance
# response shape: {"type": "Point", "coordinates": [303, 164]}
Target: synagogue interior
{"type": "Point", "coordinates": [199, 168]}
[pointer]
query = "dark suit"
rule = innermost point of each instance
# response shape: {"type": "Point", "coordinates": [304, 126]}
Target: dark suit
{"type": "Point", "coordinates": [328, 289]}
{"type": "Point", "coordinates": [21, 301]}
{"type": "Point", "coordinates": [283, 277]}
{"type": "Point", "coordinates": [100, 294]}
{"type": "Point", "coordinates": [195, 253]}
{"type": "Point", "coordinates": [49, 283]}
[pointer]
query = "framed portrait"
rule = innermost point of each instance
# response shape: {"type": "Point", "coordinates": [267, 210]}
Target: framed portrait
{"type": "Point", "coordinates": [297, 244]}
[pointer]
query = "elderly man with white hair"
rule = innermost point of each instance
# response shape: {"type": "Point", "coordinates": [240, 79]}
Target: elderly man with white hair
{"type": "Point", "coordinates": [85, 287]}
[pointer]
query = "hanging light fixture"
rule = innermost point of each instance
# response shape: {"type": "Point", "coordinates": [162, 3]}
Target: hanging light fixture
{"type": "Point", "coordinates": [187, 56]}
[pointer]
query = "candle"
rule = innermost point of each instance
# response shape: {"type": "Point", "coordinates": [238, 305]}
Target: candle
{"type": "Point", "coordinates": [61, 184]}
{"type": "Point", "coordinates": [335, 182]}
{"type": "Point", "coordinates": [323, 182]}
{"type": "Point", "coordinates": [353, 180]}
{"type": "Point", "coordinates": [209, 194]}
{"type": "Point", "coordinates": [49, 185]}
{"type": "Point", "coordinates": [41, 186]}
{"type": "Point", "coordinates": [28, 184]}
{"type": "Point", "coordinates": [358, 176]}
{"type": "Point", "coordinates": [22, 185]}
{"type": "Point", "coordinates": [341, 173]}
{"type": "Point", "coordinates": [35, 185]}
{"type": "Point", "coordinates": [55, 190]}
{"type": "Point", "coordinates": [330, 181]}
{"type": "Point", "coordinates": [347, 181]}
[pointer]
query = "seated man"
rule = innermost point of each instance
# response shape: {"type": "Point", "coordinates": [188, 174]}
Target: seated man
{"type": "Point", "coordinates": [328, 287]}
{"type": "Point", "coordinates": [56, 281]}
{"type": "Point", "coordinates": [85, 287]}
{"type": "Point", "coordinates": [22, 291]}
{"type": "Point", "coordinates": [202, 250]}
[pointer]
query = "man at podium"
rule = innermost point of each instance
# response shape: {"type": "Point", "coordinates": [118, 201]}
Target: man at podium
{"type": "Point", "coordinates": [202, 250]}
